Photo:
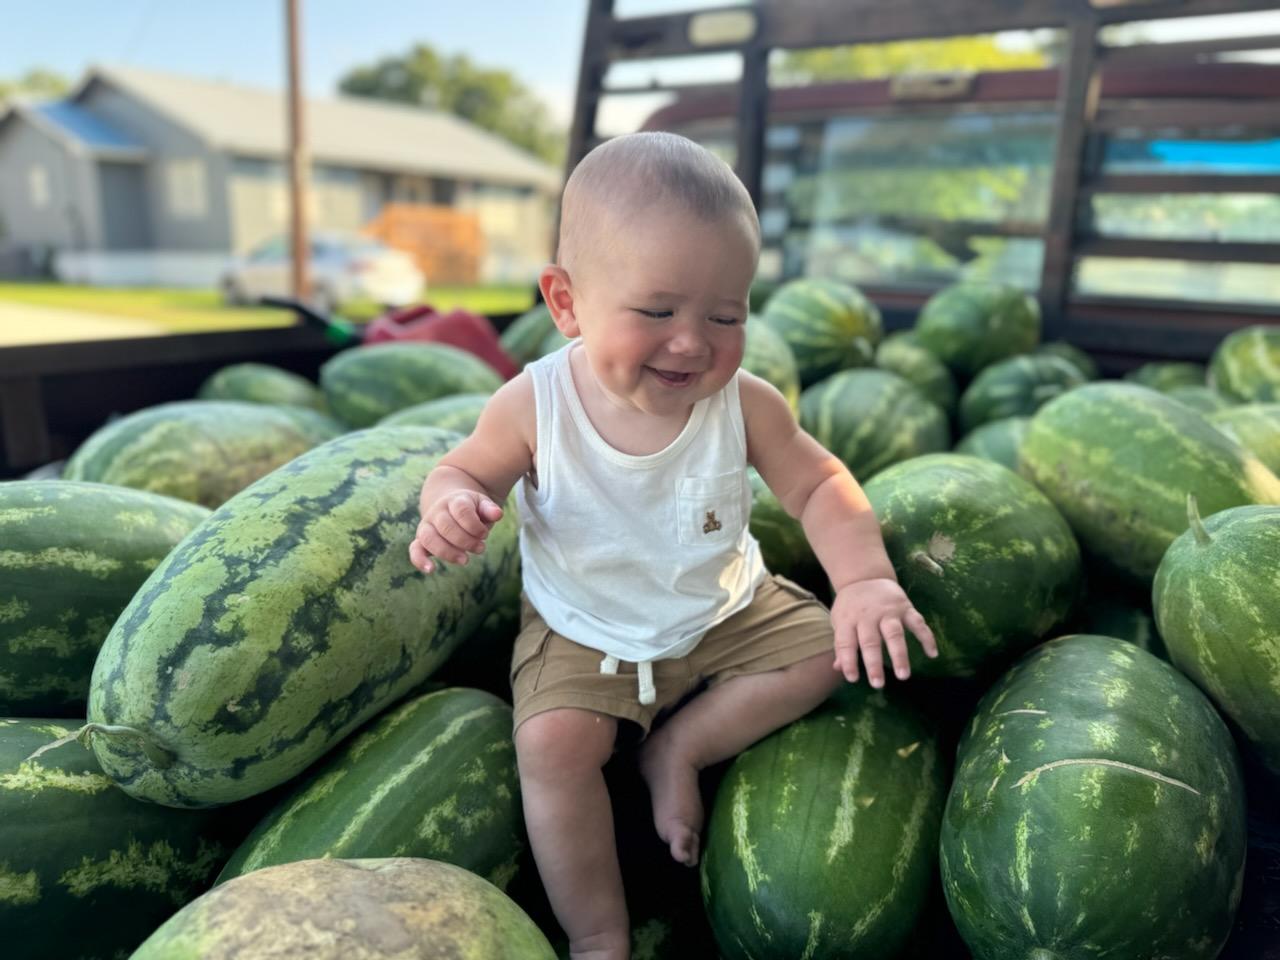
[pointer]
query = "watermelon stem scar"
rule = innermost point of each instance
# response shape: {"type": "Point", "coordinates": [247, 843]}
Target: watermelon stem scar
{"type": "Point", "coordinates": [1193, 518]}
{"type": "Point", "coordinates": [157, 754]}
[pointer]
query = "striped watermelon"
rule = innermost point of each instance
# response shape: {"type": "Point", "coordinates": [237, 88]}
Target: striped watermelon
{"type": "Point", "coordinates": [871, 419]}
{"type": "Point", "coordinates": [783, 545]}
{"type": "Point", "coordinates": [364, 384]}
{"type": "Point", "coordinates": [821, 843]}
{"type": "Point", "coordinates": [1097, 811]}
{"type": "Point", "coordinates": [434, 778]}
{"type": "Point", "coordinates": [971, 325]}
{"type": "Point", "coordinates": [204, 451]}
{"type": "Point", "coordinates": [1217, 603]}
{"type": "Point", "coordinates": [996, 440]}
{"type": "Point", "coordinates": [1072, 354]}
{"type": "Point", "coordinates": [1199, 398]}
{"type": "Point", "coordinates": [85, 871]}
{"type": "Point", "coordinates": [1164, 376]}
{"type": "Point", "coordinates": [828, 325]}
{"type": "Point", "coordinates": [523, 337]}
{"type": "Point", "coordinates": [1016, 387]}
{"type": "Point", "coordinates": [1245, 366]}
{"type": "Point", "coordinates": [317, 427]}
{"type": "Point", "coordinates": [458, 412]}
{"type": "Point", "coordinates": [1119, 460]}
{"type": "Point", "coordinates": [768, 357]}
{"type": "Point", "coordinates": [72, 555]}
{"type": "Point", "coordinates": [399, 907]}
{"type": "Point", "coordinates": [1256, 427]}
{"type": "Point", "coordinates": [901, 355]}
{"type": "Point", "coordinates": [283, 622]}
{"type": "Point", "coordinates": [261, 383]}
{"type": "Point", "coordinates": [983, 555]}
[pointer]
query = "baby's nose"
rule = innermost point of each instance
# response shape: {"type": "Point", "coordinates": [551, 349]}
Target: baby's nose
{"type": "Point", "coordinates": [687, 342]}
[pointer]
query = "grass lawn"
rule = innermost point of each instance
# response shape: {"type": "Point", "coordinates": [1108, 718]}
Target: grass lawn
{"type": "Point", "coordinates": [196, 311]}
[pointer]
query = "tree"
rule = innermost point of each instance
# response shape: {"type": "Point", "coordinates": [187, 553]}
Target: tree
{"type": "Point", "coordinates": [490, 98]}
{"type": "Point", "coordinates": [905, 56]}
{"type": "Point", "coordinates": [36, 82]}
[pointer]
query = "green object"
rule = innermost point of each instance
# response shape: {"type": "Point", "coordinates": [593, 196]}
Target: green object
{"type": "Point", "coordinates": [552, 342]}
{"type": "Point", "coordinates": [1164, 376]}
{"type": "Point", "coordinates": [1218, 608]}
{"type": "Point", "coordinates": [351, 910]}
{"type": "Point", "coordinates": [1199, 398]}
{"type": "Point", "coordinates": [996, 440]}
{"type": "Point", "coordinates": [1245, 366]}
{"type": "Point", "coordinates": [1256, 427]}
{"type": "Point", "coordinates": [783, 545]}
{"type": "Point", "coordinates": [72, 555]}
{"type": "Point", "coordinates": [901, 355]}
{"type": "Point", "coordinates": [288, 619]}
{"type": "Point", "coordinates": [458, 412]}
{"type": "Point", "coordinates": [203, 451]}
{"type": "Point", "coordinates": [1097, 810]}
{"type": "Point", "coordinates": [828, 325]}
{"type": "Point", "coordinates": [434, 778]}
{"type": "Point", "coordinates": [1118, 461]}
{"type": "Point", "coordinates": [364, 384]}
{"type": "Point", "coordinates": [983, 555]}
{"type": "Point", "coordinates": [823, 837]}
{"type": "Point", "coordinates": [261, 383]}
{"type": "Point", "coordinates": [317, 427]}
{"type": "Point", "coordinates": [523, 338]}
{"type": "Point", "coordinates": [1016, 387]}
{"type": "Point", "coordinates": [969, 326]}
{"type": "Point", "coordinates": [86, 871]}
{"type": "Point", "coordinates": [1109, 614]}
{"type": "Point", "coordinates": [768, 357]}
{"type": "Point", "coordinates": [1072, 354]}
{"type": "Point", "coordinates": [871, 419]}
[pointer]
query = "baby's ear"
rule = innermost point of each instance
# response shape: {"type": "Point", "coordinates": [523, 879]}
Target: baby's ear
{"type": "Point", "coordinates": [557, 292]}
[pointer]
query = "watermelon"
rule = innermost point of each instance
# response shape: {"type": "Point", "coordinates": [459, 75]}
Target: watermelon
{"type": "Point", "coordinates": [204, 451]}
{"type": "Point", "coordinates": [1016, 387]}
{"type": "Point", "coordinates": [1165, 376]}
{"type": "Point", "coordinates": [871, 419]}
{"type": "Point", "coordinates": [523, 337]}
{"type": "Point", "coordinates": [317, 427]}
{"type": "Point", "coordinates": [1245, 366]}
{"type": "Point", "coordinates": [920, 368]}
{"type": "Point", "coordinates": [1199, 398]}
{"type": "Point", "coordinates": [364, 384]}
{"type": "Point", "coordinates": [821, 842]}
{"type": "Point", "coordinates": [828, 325]}
{"type": "Point", "coordinates": [768, 357]}
{"type": "Point", "coordinates": [85, 871]}
{"type": "Point", "coordinates": [760, 292]}
{"type": "Point", "coordinates": [1256, 427]}
{"type": "Point", "coordinates": [282, 623]}
{"type": "Point", "coordinates": [1217, 604]}
{"type": "Point", "coordinates": [783, 544]}
{"type": "Point", "coordinates": [458, 412]}
{"type": "Point", "coordinates": [969, 325]}
{"type": "Point", "coordinates": [434, 778]}
{"type": "Point", "coordinates": [1072, 354]}
{"type": "Point", "coordinates": [261, 383]}
{"type": "Point", "coordinates": [983, 555]}
{"type": "Point", "coordinates": [996, 440]}
{"type": "Point", "coordinates": [1097, 811]}
{"type": "Point", "coordinates": [72, 555]}
{"type": "Point", "coordinates": [1118, 460]}
{"type": "Point", "coordinates": [552, 342]}
{"type": "Point", "coordinates": [399, 907]}
{"type": "Point", "coordinates": [1109, 611]}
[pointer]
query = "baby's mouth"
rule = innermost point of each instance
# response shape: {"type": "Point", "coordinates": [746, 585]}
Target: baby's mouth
{"type": "Point", "coordinates": [673, 378]}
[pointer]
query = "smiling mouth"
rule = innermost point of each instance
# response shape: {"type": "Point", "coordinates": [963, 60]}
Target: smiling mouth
{"type": "Point", "coordinates": [672, 378]}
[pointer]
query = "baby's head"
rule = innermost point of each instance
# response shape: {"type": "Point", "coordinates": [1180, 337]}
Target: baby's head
{"type": "Point", "coordinates": [658, 246]}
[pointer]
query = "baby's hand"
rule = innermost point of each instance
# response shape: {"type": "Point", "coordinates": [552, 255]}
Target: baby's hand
{"type": "Point", "coordinates": [864, 614]}
{"type": "Point", "coordinates": [453, 527]}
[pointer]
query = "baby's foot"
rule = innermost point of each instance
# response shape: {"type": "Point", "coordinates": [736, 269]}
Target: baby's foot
{"type": "Point", "coordinates": [676, 800]}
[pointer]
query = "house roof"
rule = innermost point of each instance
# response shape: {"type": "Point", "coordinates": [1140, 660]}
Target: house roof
{"type": "Point", "coordinates": [349, 131]}
{"type": "Point", "coordinates": [78, 129]}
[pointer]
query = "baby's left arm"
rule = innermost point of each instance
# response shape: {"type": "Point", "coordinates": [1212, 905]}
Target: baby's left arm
{"type": "Point", "coordinates": [813, 485]}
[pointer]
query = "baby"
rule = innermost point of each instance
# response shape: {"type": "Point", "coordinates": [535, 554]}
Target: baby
{"type": "Point", "coordinates": [645, 594]}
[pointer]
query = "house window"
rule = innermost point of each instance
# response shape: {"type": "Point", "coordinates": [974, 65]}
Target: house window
{"type": "Point", "coordinates": [185, 189]}
{"type": "Point", "coordinates": [38, 185]}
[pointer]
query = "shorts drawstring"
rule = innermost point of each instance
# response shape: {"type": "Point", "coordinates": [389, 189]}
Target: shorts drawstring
{"type": "Point", "coordinates": [644, 674]}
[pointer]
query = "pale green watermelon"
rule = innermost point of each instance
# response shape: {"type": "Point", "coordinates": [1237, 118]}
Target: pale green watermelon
{"type": "Point", "coordinates": [971, 325]}
{"type": "Point", "coordinates": [829, 326]}
{"type": "Point", "coordinates": [1246, 365]}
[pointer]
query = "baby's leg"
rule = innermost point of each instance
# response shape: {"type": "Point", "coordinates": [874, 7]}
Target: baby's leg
{"type": "Point", "coordinates": [717, 725]}
{"type": "Point", "coordinates": [570, 823]}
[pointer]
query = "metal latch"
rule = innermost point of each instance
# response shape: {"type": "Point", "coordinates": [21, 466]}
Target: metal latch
{"type": "Point", "coordinates": [952, 85]}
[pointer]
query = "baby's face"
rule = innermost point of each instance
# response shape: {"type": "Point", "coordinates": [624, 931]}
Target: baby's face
{"type": "Point", "coordinates": [662, 307]}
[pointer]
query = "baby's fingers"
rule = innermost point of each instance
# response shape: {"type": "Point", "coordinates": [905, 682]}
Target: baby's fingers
{"type": "Point", "coordinates": [419, 558]}
{"type": "Point", "coordinates": [472, 528]}
{"type": "Point", "coordinates": [872, 658]}
{"type": "Point", "coordinates": [915, 623]}
{"type": "Point", "coordinates": [896, 640]}
{"type": "Point", "coordinates": [847, 652]}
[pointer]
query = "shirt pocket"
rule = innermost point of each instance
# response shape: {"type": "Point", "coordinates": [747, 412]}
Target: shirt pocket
{"type": "Point", "coordinates": [710, 510]}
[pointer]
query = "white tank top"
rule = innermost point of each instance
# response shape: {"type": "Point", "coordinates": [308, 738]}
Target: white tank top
{"type": "Point", "coordinates": [636, 556]}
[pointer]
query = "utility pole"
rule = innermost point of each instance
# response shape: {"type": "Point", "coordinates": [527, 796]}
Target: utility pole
{"type": "Point", "coordinates": [298, 164]}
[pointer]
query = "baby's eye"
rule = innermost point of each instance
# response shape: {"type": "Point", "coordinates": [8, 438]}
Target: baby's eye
{"type": "Point", "coordinates": [726, 321]}
{"type": "Point", "coordinates": [654, 314]}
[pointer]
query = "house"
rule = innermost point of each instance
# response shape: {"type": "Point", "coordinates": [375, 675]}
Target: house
{"type": "Point", "coordinates": [147, 178]}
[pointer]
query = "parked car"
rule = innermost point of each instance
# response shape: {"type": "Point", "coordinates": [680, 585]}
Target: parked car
{"type": "Point", "coordinates": [343, 268]}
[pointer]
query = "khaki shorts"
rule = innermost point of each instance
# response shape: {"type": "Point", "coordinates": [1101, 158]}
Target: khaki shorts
{"type": "Point", "coordinates": [783, 624]}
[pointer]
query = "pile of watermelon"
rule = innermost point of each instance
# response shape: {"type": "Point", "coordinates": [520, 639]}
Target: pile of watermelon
{"type": "Point", "coordinates": [232, 715]}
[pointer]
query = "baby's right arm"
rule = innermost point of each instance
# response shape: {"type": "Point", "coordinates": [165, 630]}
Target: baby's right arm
{"type": "Point", "coordinates": [461, 497]}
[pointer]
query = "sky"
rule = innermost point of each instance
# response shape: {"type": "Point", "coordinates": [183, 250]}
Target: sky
{"type": "Point", "coordinates": [242, 41]}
